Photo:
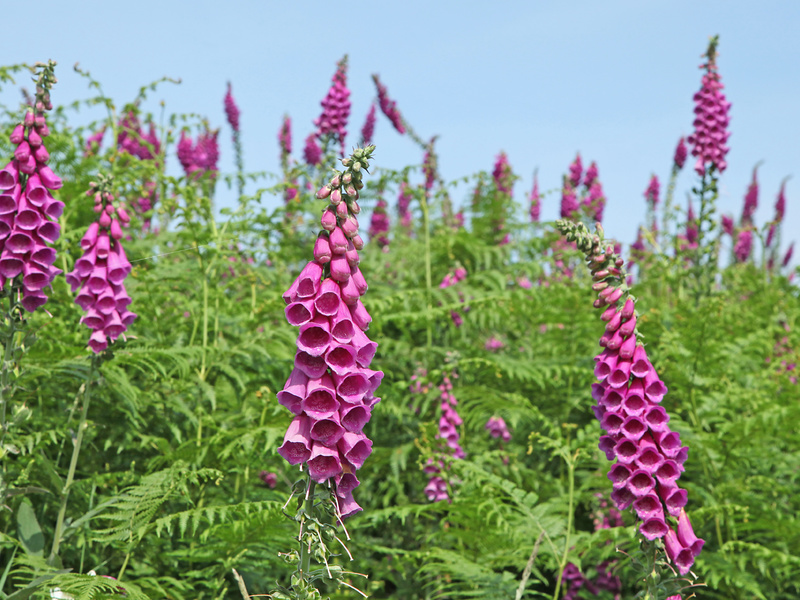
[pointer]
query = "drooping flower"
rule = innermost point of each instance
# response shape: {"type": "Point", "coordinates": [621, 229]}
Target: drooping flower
{"type": "Point", "coordinates": [536, 201]}
{"type": "Point", "coordinates": [285, 138]}
{"type": "Point", "coordinates": [231, 110]}
{"type": "Point", "coordinates": [200, 157]}
{"type": "Point", "coordinates": [498, 429]}
{"type": "Point", "coordinates": [331, 388]}
{"type": "Point", "coordinates": [28, 212]}
{"type": "Point", "coordinates": [270, 479]}
{"type": "Point", "coordinates": [312, 152]}
{"type": "Point", "coordinates": [711, 118]}
{"type": "Point", "coordinates": [133, 139]}
{"type": "Point", "coordinates": [649, 455]}
{"type": "Point", "coordinates": [680, 155]}
{"type": "Point", "coordinates": [99, 275]}
{"type": "Point", "coordinates": [389, 106]}
{"type": "Point", "coordinates": [335, 107]}
{"type": "Point", "coordinates": [368, 130]}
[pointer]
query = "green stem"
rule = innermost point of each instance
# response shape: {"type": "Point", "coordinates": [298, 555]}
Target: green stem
{"type": "Point", "coordinates": [563, 562]}
{"type": "Point", "coordinates": [4, 374]}
{"type": "Point", "coordinates": [308, 507]}
{"type": "Point", "coordinates": [428, 275]}
{"type": "Point", "coordinates": [205, 325]}
{"type": "Point", "coordinates": [73, 463]}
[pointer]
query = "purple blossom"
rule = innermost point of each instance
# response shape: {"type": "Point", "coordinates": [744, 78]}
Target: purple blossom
{"type": "Point", "coordinates": [368, 129]}
{"type": "Point", "coordinates": [569, 200]}
{"type": "Point", "coordinates": [200, 157]}
{"type": "Point", "coordinates": [680, 155]}
{"type": "Point", "coordinates": [429, 164]}
{"type": "Point", "coordinates": [133, 139]}
{"type": "Point", "coordinates": [502, 174]}
{"type": "Point", "coordinates": [404, 204]}
{"type": "Point", "coordinates": [285, 138]}
{"type": "Point", "coordinates": [231, 110]}
{"type": "Point", "coordinates": [788, 255]}
{"type": "Point", "coordinates": [270, 479]}
{"type": "Point", "coordinates": [449, 421]}
{"type": "Point", "coordinates": [692, 230]}
{"type": "Point", "coordinates": [335, 107]}
{"type": "Point", "coordinates": [780, 203]}
{"type": "Point", "coordinates": [99, 275]}
{"type": "Point", "coordinates": [744, 245]}
{"type": "Point", "coordinates": [591, 175]}
{"type": "Point", "coordinates": [596, 201]}
{"type": "Point", "coordinates": [727, 225]}
{"type": "Point", "coordinates": [29, 213]}
{"type": "Point", "coordinates": [94, 141]}
{"type": "Point", "coordinates": [536, 202]}
{"type": "Point", "coordinates": [388, 106]}
{"type": "Point", "coordinates": [331, 388]}
{"type": "Point", "coordinates": [379, 224]}
{"type": "Point", "coordinates": [711, 119]}
{"type": "Point", "coordinates": [312, 152]}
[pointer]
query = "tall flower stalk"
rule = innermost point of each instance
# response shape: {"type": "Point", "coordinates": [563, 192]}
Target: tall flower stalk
{"type": "Point", "coordinates": [649, 455]}
{"type": "Point", "coordinates": [232, 113]}
{"type": "Point", "coordinates": [331, 388]}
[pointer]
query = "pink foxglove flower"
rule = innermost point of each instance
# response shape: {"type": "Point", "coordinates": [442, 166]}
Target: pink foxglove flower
{"type": "Point", "coordinates": [727, 225]}
{"type": "Point", "coordinates": [569, 200]}
{"type": "Point", "coordinates": [231, 110]}
{"type": "Point", "coordinates": [404, 204]}
{"type": "Point", "coordinates": [379, 224]}
{"type": "Point", "coordinates": [285, 138]}
{"type": "Point", "coordinates": [99, 274]}
{"type": "Point", "coordinates": [595, 201]}
{"type": "Point", "coordinates": [28, 212]}
{"type": "Point", "coordinates": [502, 175]}
{"type": "Point", "coordinates": [388, 106]}
{"type": "Point", "coordinates": [331, 388]}
{"type": "Point", "coordinates": [576, 171]}
{"type": "Point", "coordinates": [200, 157]}
{"type": "Point", "coordinates": [788, 257]}
{"type": "Point", "coordinates": [750, 200]}
{"type": "Point", "coordinates": [744, 245]}
{"type": "Point", "coordinates": [312, 152]}
{"type": "Point", "coordinates": [590, 176]}
{"type": "Point", "coordinates": [94, 141]}
{"type": "Point", "coordinates": [651, 193]}
{"type": "Point", "coordinates": [680, 155]}
{"type": "Point", "coordinates": [135, 141]}
{"type": "Point", "coordinates": [449, 421]}
{"type": "Point", "coordinates": [536, 200]}
{"type": "Point", "coordinates": [711, 118]}
{"type": "Point", "coordinates": [335, 107]}
{"type": "Point", "coordinates": [498, 429]}
{"type": "Point", "coordinates": [368, 130]}
{"type": "Point", "coordinates": [780, 203]}
{"type": "Point", "coordinates": [649, 455]}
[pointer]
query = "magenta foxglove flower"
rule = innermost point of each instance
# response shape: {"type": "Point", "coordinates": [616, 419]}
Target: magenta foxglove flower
{"type": "Point", "coordinates": [28, 212]}
{"type": "Point", "coordinates": [312, 152]}
{"type": "Point", "coordinates": [498, 429]}
{"type": "Point", "coordinates": [744, 245]}
{"type": "Point", "coordinates": [651, 193]}
{"type": "Point", "coordinates": [649, 455]}
{"type": "Point", "coordinates": [379, 224]}
{"type": "Point", "coordinates": [711, 118]}
{"type": "Point", "coordinates": [231, 110]}
{"type": "Point", "coordinates": [780, 203]}
{"type": "Point", "coordinates": [99, 274]}
{"type": "Point", "coordinates": [404, 204]}
{"type": "Point", "coordinates": [285, 138]}
{"type": "Point", "coordinates": [502, 175]}
{"type": "Point", "coordinates": [449, 421]}
{"type": "Point", "coordinates": [569, 200]}
{"type": "Point", "coordinates": [429, 164]}
{"type": "Point", "coordinates": [270, 479]}
{"type": "Point", "coordinates": [590, 176]}
{"type": "Point", "coordinates": [200, 157]}
{"type": "Point", "coordinates": [727, 225]}
{"type": "Point", "coordinates": [453, 278]}
{"type": "Point", "coordinates": [536, 201]}
{"type": "Point", "coordinates": [576, 171]}
{"type": "Point", "coordinates": [133, 139]}
{"type": "Point", "coordinates": [368, 130]}
{"type": "Point", "coordinates": [788, 256]}
{"type": "Point", "coordinates": [680, 155]}
{"type": "Point", "coordinates": [595, 201]}
{"type": "Point", "coordinates": [750, 200]}
{"type": "Point", "coordinates": [388, 106]}
{"type": "Point", "coordinates": [335, 107]}
{"type": "Point", "coordinates": [331, 388]}
{"type": "Point", "coordinates": [94, 141]}
{"type": "Point", "coordinates": [493, 344]}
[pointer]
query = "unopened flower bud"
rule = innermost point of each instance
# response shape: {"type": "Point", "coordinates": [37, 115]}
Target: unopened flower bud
{"type": "Point", "coordinates": [341, 210]}
{"type": "Point", "coordinates": [336, 181]}
{"type": "Point", "coordinates": [336, 196]}
{"type": "Point", "coordinates": [347, 178]}
{"type": "Point", "coordinates": [600, 275]}
{"type": "Point", "coordinates": [354, 207]}
{"type": "Point", "coordinates": [350, 226]}
{"type": "Point", "coordinates": [351, 191]}
{"type": "Point", "coordinates": [358, 243]}
{"type": "Point", "coordinates": [104, 220]}
{"type": "Point", "coordinates": [599, 286]}
{"type": "Point", "coordinates": [328, 220]}
{"type": "Point", "coordinates": [17, 135]}
{"type": "Point", "coordinates": [116, 230]}
{"type": "Point", "coordinates": [323, 192]}
{"type": "Point", "coordinates": [28, 121]}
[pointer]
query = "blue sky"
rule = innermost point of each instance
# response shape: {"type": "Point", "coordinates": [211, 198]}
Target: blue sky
{"type": "Point", "coordinates": [541, 81]}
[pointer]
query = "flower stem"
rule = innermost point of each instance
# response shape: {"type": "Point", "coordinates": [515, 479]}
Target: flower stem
{"type": "Point", "coordinates": [305, 555]}
{"type": "Point", "coordinates": [428, 276]}
{"type": "Point", "coordinates": [563, 561]}
{"type": "Point", "coordinates": [73, 463]}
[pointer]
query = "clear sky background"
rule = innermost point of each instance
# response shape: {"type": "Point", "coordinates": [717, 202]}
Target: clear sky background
{"type": "Point", "coordinates": [541, 81]}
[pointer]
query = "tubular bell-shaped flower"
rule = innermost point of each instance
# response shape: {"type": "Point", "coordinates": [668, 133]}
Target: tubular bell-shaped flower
{"type": "Point", "coordinates": [201, 156]}
{"type": "Point", "coordinates": [99, 274]}
{"type": "Point", "coordinates": [335, 107]}
{"type": "Point", "coordinates": [628, 393]}
{"type": "Point", "coordinates": [28, 212]}
{"type": "Point", "coordinates": [331, 389]}
{"type": "Point", "coordinates": [388, 106]}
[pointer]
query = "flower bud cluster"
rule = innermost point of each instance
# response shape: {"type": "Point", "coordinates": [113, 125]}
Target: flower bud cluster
{"type": "Point", "coordinates": [651, 193]}
{"type": "Point", "coordinates": [335, 106]}
{"type": "Point", "coordinates": [388, 106]}
{"type": "Point", "coordinates": [680, 155]}
{"type": "Point", "coordinates": [312, 152]}
{"type": "Point", "coordinates": [711, 118]}
{"type": "Point", "coordinates": [502, 175]}
{"type": "Point", "coordinates": [750, 200]}
{"type": "Point", "coordinates": [430, 164]}
{"type": "Point", "coordinates": [536, 201]}
{"type": "Point", "coordinates": [744, 245]}
{"type": "Point", "coordinates": [575, 171]}
{"type": "Point", "coordinates": [200, 157]}
{"type": "Point", "coordinates": [93, 142]}
{"type": "Point", "coordinates": [649, 455]}
{"type": "Point", "coordinates": [231, 110]}
{"type": "Point", "coordinates": [285, 138]}
{"type": "Point", "coordinates": [331, 388]}
{"type": "Point", "coordinates": [133, 140]}
{"type": "Point", "coordinates": [99, 274]}
{"type": "Point", "coordinates": [498, 429]}
{"type": "Point", "coordinates": [28, 212]}
{"type": "Point", "coordinates": [379, 224]}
